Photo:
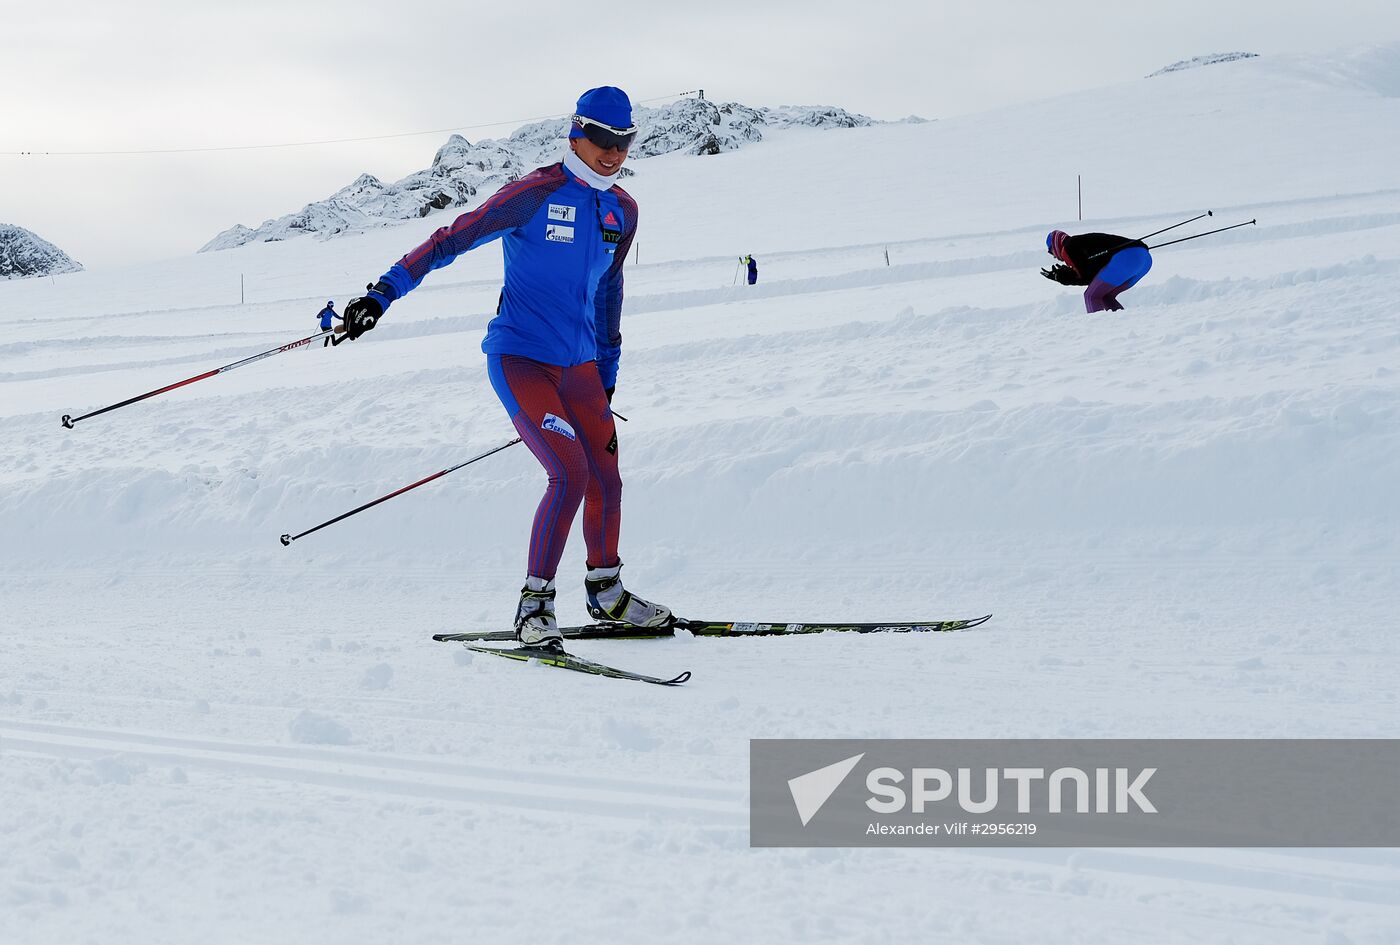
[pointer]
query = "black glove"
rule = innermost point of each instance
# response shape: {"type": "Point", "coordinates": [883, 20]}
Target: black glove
{"type": "Point", "coordinates": [363, 313]}
{"type": "Point", "coordinates": [609, 391]}
{"type": "Point", "coordinates": [1062, 274]}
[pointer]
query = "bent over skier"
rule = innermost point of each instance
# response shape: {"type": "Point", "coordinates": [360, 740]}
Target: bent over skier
{"type": "Point", "coordinates": [1106, 263]}
{"type": "Point", "coordinates": [552, 349]}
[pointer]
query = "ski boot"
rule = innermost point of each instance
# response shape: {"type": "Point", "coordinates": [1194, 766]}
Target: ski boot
{"type": "Point", "coordinates": [609, 600]}
{"type": "Point", "coordinates": [535, 625]}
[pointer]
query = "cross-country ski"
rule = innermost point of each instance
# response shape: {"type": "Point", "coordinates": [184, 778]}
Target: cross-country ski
{"type": "Point", "coordinates": [705, 628]}
{"type": "Point", "coordinates": [549, 656]}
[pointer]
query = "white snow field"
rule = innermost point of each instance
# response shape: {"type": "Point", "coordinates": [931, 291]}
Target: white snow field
{"type": "Point", "coordinates": [1183, 516]}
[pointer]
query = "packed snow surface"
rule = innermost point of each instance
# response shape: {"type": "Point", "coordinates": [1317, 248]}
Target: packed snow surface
{"type": "Point", "coordinates": [1183, 515]}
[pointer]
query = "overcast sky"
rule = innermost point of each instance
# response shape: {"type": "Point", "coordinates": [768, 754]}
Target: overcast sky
{"type": "Point", "coordinates": [155, 74]}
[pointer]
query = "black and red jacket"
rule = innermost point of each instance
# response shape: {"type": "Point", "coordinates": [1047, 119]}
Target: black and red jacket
{"type": "Point", "coordinates": [1088, 253]}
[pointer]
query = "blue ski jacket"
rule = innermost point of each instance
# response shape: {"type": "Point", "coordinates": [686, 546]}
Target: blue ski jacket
{"type": "Point", "coordinates": [326, 314]}
{"type": "Point", "coordinates": [565, 243]}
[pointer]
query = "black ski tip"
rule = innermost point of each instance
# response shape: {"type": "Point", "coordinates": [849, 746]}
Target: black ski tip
{"type": "Point", "coordinates": [285, 540]}
{"type": "Point", "coordinates": [683, 677]}
{"type": "Point", "coordinates": [68, 421]}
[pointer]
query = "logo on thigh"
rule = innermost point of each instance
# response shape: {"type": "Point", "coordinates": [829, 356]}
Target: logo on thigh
{"type": "Point", "coordinates": [557, 425]}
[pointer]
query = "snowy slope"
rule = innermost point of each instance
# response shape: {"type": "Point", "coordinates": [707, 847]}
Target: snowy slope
{"type": "Point", "coordinates": [1183, 516]}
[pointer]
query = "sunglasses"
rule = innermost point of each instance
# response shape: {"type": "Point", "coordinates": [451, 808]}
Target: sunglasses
{"type": "Point", "coordinates": [605, 136]}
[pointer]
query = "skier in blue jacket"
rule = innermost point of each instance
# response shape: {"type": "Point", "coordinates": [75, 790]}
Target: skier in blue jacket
{"type": "Point", "coordinates": [552, 350]}
{"type": "Point", "coordinates": [325, 315]}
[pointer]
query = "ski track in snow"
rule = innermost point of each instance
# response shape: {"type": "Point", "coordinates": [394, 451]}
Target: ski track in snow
{"type": "Point", "coordinates": [1183, 517]}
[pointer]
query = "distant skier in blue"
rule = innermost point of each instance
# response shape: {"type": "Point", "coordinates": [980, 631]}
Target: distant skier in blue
{"type": "Point", "coordinates": [552, 350]}
{"type": "Point", "coordinates": [1106, 263]}
{"type": "Point", "coordinates": [325, 316]}
{"type": "Point", "coordinates": [753, 269]}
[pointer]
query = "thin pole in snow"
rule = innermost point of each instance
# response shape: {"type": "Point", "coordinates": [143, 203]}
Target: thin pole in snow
{"type": "Point", "coordinates": [1080, 178]}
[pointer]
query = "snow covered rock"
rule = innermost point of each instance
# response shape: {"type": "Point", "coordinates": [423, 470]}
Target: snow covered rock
{"type": "Point", "coordinates": [22, 255]}
{"type": "Point", "coordinates": [1209, 59]}
{"type": "Point", "coordinates": [461, 170]}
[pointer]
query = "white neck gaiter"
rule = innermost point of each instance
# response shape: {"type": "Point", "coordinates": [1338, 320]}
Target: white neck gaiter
{"type": "Point", "coordinates": [579, 169]}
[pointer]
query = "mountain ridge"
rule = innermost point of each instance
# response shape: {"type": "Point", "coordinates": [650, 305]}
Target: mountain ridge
{"type": "Point", "coordinates": [460, 170]}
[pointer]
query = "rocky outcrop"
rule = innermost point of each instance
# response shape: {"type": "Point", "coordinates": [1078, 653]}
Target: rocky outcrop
{"type": "Point", "coordinates": [24, 255]}
{"type": "Point", "coordinates": [1206, 60]}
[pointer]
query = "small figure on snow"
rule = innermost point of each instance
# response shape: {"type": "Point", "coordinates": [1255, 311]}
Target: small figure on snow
{"type": "Point", "coordinates": [753, 269]}
{"type": "Point", "coordinates": [1106, 263]}
{"type": "Point", "coordinates": [552, 349]}
{"type": "Point", "coordinates": [325, 315]}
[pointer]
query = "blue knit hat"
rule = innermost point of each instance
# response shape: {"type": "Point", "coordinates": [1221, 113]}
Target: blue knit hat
{"type": "Point", "coordinates": [606, 105]}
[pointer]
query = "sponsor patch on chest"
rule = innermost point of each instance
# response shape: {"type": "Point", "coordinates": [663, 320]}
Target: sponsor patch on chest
{"type": "Point", "coordinates": [555, 233]}
{"type": "Point", "coordinates": [562, 213]}
{"type": "Point", "coordinates": [611, 229]}
{"type": "Point", "coordinates": [556, 425]}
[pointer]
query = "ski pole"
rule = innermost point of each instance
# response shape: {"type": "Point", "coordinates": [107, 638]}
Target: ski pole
{"type": "Point", "coordinates": [1142, 239]}
{"type": "Point", "coordinates": [1208, 213]}
{"type": "Point", "coordinates": [1206, 233]}
{"type": "Point", "coordinates": [69, 421]}
{"type": "Point", "coordinates": [288, 539]}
